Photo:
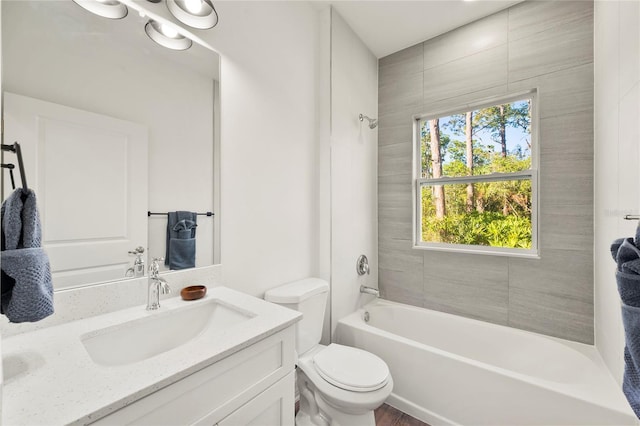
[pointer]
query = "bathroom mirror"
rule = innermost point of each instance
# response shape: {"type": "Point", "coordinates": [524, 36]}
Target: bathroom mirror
{"type": "Point", "coordinates": [112, 126]}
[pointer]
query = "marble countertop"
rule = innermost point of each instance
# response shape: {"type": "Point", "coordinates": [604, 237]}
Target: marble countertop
{"type": "Point", "coordinates": [50, 379]}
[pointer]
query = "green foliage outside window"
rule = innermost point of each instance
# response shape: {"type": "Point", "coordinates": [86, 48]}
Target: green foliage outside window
{"type": "Point", "coordinates": [488, 213]}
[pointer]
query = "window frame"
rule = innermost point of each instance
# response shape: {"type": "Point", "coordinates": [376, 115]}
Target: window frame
{"type": "Point", "coordinates": [418, 182]}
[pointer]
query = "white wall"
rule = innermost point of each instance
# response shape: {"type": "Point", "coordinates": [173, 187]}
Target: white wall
{"type": "Point", "coordinates": [278, 211]}
{"type": "Point", "coordinates": [354, 162]}
{"type": "Point", "coordinates": [269, 110]}
{"type": "Point", "coordinates": [1, 114]}
{"type": "Point", "coordinates": [617, 155]}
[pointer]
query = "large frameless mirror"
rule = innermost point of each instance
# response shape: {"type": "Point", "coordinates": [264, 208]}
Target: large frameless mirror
{"type": "Point", "coordinates": [112, 127]}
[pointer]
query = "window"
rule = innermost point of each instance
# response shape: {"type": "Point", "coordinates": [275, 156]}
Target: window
{"type": "Point", "coordinates": [476, 179]}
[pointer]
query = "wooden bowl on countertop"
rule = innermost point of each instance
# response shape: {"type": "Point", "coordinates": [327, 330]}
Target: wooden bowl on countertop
{"type": "Point", "coordinates": [193, 292]}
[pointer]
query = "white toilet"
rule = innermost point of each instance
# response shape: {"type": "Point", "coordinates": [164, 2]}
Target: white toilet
{"type": "Point", "coordinates": [339, 385]}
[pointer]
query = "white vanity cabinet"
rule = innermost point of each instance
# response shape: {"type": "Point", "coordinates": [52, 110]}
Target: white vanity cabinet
{"type": "Point", "coordinates": [236, 369]}
{"type": "Point", "coordinates": [254, 385]}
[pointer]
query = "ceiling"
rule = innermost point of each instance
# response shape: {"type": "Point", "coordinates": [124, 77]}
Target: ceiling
{"type": "Point", "coordinates": [389, 26]}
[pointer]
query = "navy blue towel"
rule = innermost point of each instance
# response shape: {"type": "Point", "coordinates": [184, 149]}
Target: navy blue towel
{"type": "Point", "coordinates": [27, 287]}
{"type": "Point", "coordinates": [181, 240]}
{"type": "Point", "coordinates": [626, 253]}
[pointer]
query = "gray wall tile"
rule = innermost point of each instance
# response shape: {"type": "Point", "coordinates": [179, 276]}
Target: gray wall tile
{"type": "Point", "coordinates": [403, 260]}
{"type": "Point", "coordinates": [400, 178]}
{"type": "Point", "coordinates": [554, 295]}
{"type": "Point", "coordinates": [468, 285]}
{"type": "Point", "coordinates": [395, 128]}
{"type": "Point", "coordinates": [400, 94]}
{"type": "Point", "coordinates": [533, 18]}
{"type": "Point", "coordinates": [394, 214]}
{"type": "Point", "coordinates": [544, 46]}
{"type": "Point", "coordinates": [402, 245]}
{"type": "Point", "coordinates": [395, 288]}
{"type": "Point", "coordinates": [570, 89]}
{"type": "Point", "coordinates": [551, 314]}
{"type": "Point", "coordinates": [395, 195]}
{"type": "Point", "coordinates": [395, 159]}
{"type": "Point", "coordinates": [466, 75]}
{"type": "Point", "coordinates": [570, 231]}
{"type": "Point", "coordinates": [568, 134]}
{"type": "Point", "coordinates": [394, 230]}
{"type": "Point", "coordinates": [463, 101]}
{"type": "Point", "coordinates": [560, 272]}
{"type": "Point", "coordinates": [400, 64]}
{"type": "Point", "coordinates": [566, 190]}
{"type": "Point", "coordinates": [400, 273]}
{"type": "Point", "coordinates": [467, 40]}
{"type": "Point", "coordinates": [558, 47]}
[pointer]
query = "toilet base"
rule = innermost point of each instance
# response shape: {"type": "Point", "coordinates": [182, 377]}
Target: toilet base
{"type": "Point", "coordinates": [316, 411]}
{"type": "Point", "coordinates": [340, 418]}
{"type": "Point", "coordinates": [328, 416]}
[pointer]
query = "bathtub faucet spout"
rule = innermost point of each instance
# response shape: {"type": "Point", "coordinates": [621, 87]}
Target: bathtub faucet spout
{"type": "Point", "coordinates": [370, 290]}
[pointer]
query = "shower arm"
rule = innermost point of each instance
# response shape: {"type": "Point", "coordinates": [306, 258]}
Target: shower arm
{"type": "Point", "coordinates": [373, 122]}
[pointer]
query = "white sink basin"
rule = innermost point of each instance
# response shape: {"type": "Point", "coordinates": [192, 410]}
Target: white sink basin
{"type": "Point", "coordinates": [160, 332]}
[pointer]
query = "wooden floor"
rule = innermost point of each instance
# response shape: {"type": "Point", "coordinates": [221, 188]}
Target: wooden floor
{"type": "Point", "coordinates": [386, 415]}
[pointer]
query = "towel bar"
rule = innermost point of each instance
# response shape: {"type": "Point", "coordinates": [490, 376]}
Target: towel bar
{"type": "Point", "coordinates": [632, 217]}
{"type": "Point", "coordinates": [165, 214]}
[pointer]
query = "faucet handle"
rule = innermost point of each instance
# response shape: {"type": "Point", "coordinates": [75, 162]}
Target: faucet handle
{"type": "Point", "coordinates": [154, 267]}
{"type": "Point", "coordinates": [137, 251]}
{"type": "Point", "coordinates": [362, 265]}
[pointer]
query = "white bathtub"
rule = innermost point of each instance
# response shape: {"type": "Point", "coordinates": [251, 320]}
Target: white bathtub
{"type": "Point", "coordinates": [453, 370]}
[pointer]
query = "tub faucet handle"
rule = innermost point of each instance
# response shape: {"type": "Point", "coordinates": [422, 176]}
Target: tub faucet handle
{"type": "Point", "coordinates": [362, 265]}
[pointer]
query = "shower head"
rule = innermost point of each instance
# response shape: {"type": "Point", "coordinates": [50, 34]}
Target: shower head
{"type": "Point", "coordinates": [373, 122]}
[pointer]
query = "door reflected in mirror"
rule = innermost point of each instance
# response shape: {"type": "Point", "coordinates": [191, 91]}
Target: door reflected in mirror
{"type": "Point", "coordinates": [112, 126]}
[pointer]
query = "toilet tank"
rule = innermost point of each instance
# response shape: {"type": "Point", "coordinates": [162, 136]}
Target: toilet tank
{"type": "Point", "coordinates": [308, 296]}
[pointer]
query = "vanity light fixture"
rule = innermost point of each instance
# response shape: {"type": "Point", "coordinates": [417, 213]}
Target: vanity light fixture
{"type": "Point", "coordinates": [200, 14]}
{"type": "Point", "coordinates": [166, 36]}
{"type": "Point", "coordinates": [111, 9]}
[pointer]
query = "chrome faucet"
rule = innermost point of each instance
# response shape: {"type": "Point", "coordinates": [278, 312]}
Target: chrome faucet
{"type": "Point", "coordinates": [157, 285]}
{"type": "Point", "coordinates": [137, 270]}
{"type": "Point", "coordinates": [370, 290]}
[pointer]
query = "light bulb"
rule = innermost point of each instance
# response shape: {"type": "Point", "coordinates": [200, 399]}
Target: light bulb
{"type": "Point", "coordinates": [193, 6]}
{"type": "Point", "coordinates": [168, 31]}
{"type": "Point", "coordinates": [166, 35]}
{"type": "Point", "coordinates": [196, 13]}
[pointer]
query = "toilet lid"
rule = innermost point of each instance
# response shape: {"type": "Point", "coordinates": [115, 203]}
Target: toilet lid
{"type": "Point", "coordinates": [351, 368]}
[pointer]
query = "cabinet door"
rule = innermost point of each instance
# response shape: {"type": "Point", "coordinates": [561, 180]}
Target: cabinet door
{"type": "Point", "coordinates": [274, 406]}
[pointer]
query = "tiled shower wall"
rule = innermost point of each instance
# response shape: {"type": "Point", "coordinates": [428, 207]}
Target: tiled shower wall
{"type": "Point", "coordinates": [540, 45]}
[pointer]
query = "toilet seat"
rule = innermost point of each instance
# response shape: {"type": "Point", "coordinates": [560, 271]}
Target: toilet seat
{"type": "Point", "coordinates": [350, 368]}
